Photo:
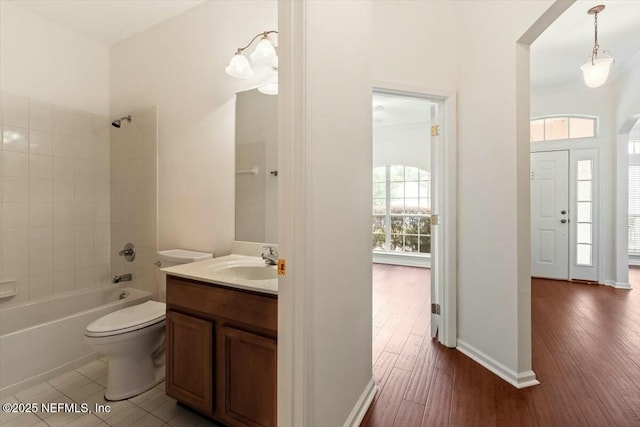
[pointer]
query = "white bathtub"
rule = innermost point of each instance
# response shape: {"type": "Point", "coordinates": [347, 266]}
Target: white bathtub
{"type": "Point", "coordinates": [42, 339]}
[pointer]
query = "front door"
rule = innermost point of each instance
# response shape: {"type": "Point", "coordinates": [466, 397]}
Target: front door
{"type": "Point", "coordinates": [549, 214]}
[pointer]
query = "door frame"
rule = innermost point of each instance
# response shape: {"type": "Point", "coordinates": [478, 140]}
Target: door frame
{"type": "Point", "coordinates": [448, 201]}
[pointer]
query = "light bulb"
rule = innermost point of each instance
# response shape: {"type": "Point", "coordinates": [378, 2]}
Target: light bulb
{"type": "Point", "coordinates": [595, 74]}
{"type": "Point", "coordinates": [265, 53]}
{"type": "Point", "coordinates": [239, 67]}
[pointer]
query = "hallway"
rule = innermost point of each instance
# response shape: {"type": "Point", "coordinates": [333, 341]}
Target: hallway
{"type": "Point", "coordinates": [586, 354]}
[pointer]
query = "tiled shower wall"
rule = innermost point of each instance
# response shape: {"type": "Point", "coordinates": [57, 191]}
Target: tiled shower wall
{"type": "Point", "coordinates": [55, 210]}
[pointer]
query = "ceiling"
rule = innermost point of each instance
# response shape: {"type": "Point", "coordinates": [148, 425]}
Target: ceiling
{"type": "Point", "coordinates": [397, 110]}
{"type": "Point", "coordinates": [556, 56]}
{"type": "Point", "coordinates": [107, 21]}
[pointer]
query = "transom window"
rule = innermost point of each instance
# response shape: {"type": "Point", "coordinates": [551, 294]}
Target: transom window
{"type": "Point", "coordinates": [553, 128]}
{"type": "Point", "coordinates": [401, 209]}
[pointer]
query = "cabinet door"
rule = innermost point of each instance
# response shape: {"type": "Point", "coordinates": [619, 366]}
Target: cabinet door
{"type": "Point", "coordinates": [190, 361]}
{"type": "Point", "coordinates": [250, 386]}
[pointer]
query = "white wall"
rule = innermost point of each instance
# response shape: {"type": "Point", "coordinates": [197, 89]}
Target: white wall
{"type": "Point", "coordinates": [627, 89]}
{"type": "Point", "coordinates": [44, 61]}
{"type": "Point", "coordinates": [178, 66]}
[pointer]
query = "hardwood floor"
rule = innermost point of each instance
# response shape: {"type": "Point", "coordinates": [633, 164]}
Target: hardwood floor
{"type": "Point", "coordinates": [586, 354]}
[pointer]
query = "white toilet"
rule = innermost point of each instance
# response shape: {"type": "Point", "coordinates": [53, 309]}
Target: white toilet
{"type": "Point", "coordinates": [132, 338]}
{"type": "Point", "coordinates": [133, 341]}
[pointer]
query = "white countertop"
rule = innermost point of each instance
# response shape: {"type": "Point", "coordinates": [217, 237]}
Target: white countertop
{"type": "Point", "coordinates": [208, 271]}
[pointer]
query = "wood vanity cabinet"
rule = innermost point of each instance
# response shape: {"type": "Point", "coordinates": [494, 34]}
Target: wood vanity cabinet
{"type": "Point", "coordinates": [222, 351]}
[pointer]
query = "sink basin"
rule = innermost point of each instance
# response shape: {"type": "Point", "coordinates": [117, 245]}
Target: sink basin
{"type": "Point", "coordinates": [247, 272]}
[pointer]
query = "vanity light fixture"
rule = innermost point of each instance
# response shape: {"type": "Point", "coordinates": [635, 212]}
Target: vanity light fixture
{"type": "Point", "coordinates": [595, 70]}
{"type": "Point", "coordinates": [263, 55]}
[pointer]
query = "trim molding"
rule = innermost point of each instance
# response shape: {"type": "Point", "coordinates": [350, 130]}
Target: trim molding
{"type": "Point", "coordinates": [617, 285]}
{"type": "Point", "coordinates": [516, 379]}
{"type": "Point", "coordinates": [406, 260]}
{"type": "Point", "coordinates": [362, 405]}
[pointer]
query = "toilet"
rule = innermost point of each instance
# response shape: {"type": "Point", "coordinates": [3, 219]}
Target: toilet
{"type": "Point", "coordinates": [132, 339]}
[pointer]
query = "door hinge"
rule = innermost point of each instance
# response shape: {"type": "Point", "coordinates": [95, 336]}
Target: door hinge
{"type": "Point", "coordinates": [435, 219]}
{"type": "Point", "coordinates": [435, 130]}
{"type": "Point", "coordinates": [435, 308]}
{"type": "Point", "coordinates": [282, 267]}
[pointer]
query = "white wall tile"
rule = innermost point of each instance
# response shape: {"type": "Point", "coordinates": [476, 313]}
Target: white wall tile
{"type": "Point", "coordinates": [84, 277]}
{"type": "Point", "coordinates": [63, 260]}
{"type": "Point", "coordinates": [15, 266]}
{"type": "Point", "coordinates": [40, 286]}
{"type": "Point", "coordinates": [63, 145]}
{"type": "Point", "coordinates": [83, 235]}
{"type": "Point", "coordinates": [101, 254]}
{"type": "Point", "coordinates": [40, 190]}
{"type": "Point", "coordinates": [15, 214]}
{"type": "Point", "coordinates": [83, 125]}
{"type": "Point", "coordinates": [15, 240]}
{"type": "Point", "coordinates": [15, 164]}
{"type": "Point", "coordinates": [63, 238]}
{"type": "Point", "coordinates": [83, 149]}
{"type": "Point", "coordinates": [40, 238]}
{"type": "Point", "coordinates": [84, 257]}
{"type": "Point", "coordinates": [83, 170]}
{"type": "Point", "coordinates": [15, 189]}
{"type": "Point", "coordinates": [40, 262]}
{"type": "Point", "coordinates": [101, 151]}
{"type": "Point", "coordinates": [63, 191]}
{"type": "Point", "coordinates": [40, 166]}
{"type": "Point", "coordinates": [101, 192]}
{"type": "Point", "coordinates": [101, 127]}
{"type": "Point", "coordinates": [83, 213]}
{"type": "Point", "coordinates": [101, 234]}
{"type": "Point", "coordinates": [40, 116]}
{"type": "Point", "coordinates": [15, 139]}
{"type": "Point", "coordinates": [101, 213]}
{"type": "Point", "coordinates": [63, 213]}
{"type": "Point", "coordinates": [83, 191]}
{"type": "Point", "coordinates": [15, 110]}
{"type": "Point", "coordinates": [63, 168]}
{"type": "Point", "coordinates": [40, 142]}
{"type": "Point", "coordinates": [101, 171]}
{"type": "Point", "coordinates": [63, 121]}
{"type": "Point", "coordinates": [63, 282]}
{"type": "Point", "coordinates": [40, 214]}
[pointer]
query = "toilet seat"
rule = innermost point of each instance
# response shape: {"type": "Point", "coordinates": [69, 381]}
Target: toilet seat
{"type": "Point", "coordinates": [127, 320]}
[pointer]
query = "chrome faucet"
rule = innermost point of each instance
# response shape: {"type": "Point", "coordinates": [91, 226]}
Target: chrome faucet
{"type": "Point", "coordinates": [122, 278]}
{"type": "Point", "coordinates": [270, 255]}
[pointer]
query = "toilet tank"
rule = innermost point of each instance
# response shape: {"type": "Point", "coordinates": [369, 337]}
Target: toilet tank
{"type": "Point", "coordinates": [172, 257]}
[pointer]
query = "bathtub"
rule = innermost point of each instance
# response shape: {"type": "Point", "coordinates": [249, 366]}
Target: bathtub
{"type": "Point", "coordinates": [42, 339]}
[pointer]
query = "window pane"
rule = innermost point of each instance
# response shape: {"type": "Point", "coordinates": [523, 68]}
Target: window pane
{"type": "Point", "coordinates": [378, 224]}
{"type": "Point", "coordinates": [397, 189]}
{"type": "Point", "coordinates": [425, 244]}
{"type": "Point", "coordinates": [583, 255]}
{"type": "Point", "coordinates": [584, 211]}
{"type": "Point", "coordinates": [425, 175]}
{"type": "Point", "coordinates": [411, 206]}
{"type": "Point", "coordinates": [411, 224]}
{"type": "Point", "coordinates": [379, 206]}
{"type": "Point", "coordinates": [584, 169]}
{"type": "Point", "coordinates": [397, 225]}
{"type": "Point", "coordinates": [584, 191]}
{"type": "Point", "coordinates": [425, 225]}
{"type": "Point", "coordinates": [581, 128]}
{"type": "Point", "coordinates": [425, 206]}
{"type": "Point", "coordinates": [411, 173]}
{"type": "Point", "coordinates": [411, 189]}
{"type": "Point", "coordinates": [379, 190]}
{"type": "Point", "coordinates": [411, 244]}
{"type": "Point", "coordinates": [380, 174]}
{"type": "Point", "coordinates": [396, 173]}
{"type": "Point", "coordinates": [584, 233]}
{"type": "Point", "coordinates": [556, 128]}
{"type": "Point", "coordinates": [425, 191]}
{"type": "Point", "coordinates": [378, 241]}
{"type": "Point", "coordinates": [537, 130]}
{"type": "Point", "coordinates": [397, 206]}
{"type": "Point", "coordinates": [396, 243]}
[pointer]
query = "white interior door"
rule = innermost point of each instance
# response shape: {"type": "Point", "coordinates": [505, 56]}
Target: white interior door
{"type": "Point", "coordinates": [550, 214]}
{"type": "Point", "coordinates": [437, 237]}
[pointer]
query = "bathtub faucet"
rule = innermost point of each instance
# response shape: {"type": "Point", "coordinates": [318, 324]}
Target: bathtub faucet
{"type": "Point", "coordinates": [122, 278]}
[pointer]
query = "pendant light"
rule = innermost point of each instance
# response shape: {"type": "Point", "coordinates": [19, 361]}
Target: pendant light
{"type": "Point", "coordinates": [264, 55]}
{"type": "Point", "coordinates": [595, 70]}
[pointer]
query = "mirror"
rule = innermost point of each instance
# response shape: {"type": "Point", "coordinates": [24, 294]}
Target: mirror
{"type": "Point", "coordinates": [256, 167]}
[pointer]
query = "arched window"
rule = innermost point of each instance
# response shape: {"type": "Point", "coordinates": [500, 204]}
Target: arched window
{"type": "Point", "coordinates": [553, 128]}
{"type": "Point", "coordinates": [401, 209]}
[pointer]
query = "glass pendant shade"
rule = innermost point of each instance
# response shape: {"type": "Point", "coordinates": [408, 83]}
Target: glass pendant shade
{"type": "Point", "coordinates": [239, 67]}
{"type": "Point", "coordinates": [265, 53]}
{"type": "Point", "coordinates": [595, 73]}
{"type": "Point", "coordinates": [271, 88]}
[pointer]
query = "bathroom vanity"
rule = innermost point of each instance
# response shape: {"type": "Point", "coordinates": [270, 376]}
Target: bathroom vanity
{"type": "Point", "coordinates": [221, 329]}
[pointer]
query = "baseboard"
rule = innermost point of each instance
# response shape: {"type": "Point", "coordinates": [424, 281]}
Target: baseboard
{"type": "Point", "coordinates": [516, 379]}
{"type": "Point", "coordinates": [46, 376]}
{"type": "Point", "coordinates": [362, 405]}
{"type": "Point", "coordinates": [617, 285]}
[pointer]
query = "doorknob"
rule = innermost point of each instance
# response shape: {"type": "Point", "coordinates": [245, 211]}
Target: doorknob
{"type": "Point", "coordinates": [563, 212]}
{"type": "Point", "coordinates": [563, 221]}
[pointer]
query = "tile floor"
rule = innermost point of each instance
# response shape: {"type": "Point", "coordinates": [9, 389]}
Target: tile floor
{"type": "Point", "coordinates": [86, 385]}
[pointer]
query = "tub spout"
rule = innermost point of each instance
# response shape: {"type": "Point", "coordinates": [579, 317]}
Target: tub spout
{"type": "Point", "coordinates": [122, 278]}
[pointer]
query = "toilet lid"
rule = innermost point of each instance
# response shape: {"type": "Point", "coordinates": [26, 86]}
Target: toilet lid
{"type": "Point", "coordinates": [128, 319]}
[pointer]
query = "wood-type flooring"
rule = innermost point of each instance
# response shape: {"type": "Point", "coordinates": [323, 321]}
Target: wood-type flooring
{"type": "Point", "coordinates": [586, 354]}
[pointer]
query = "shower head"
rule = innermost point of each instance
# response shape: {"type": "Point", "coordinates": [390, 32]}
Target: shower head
{"type": "Point", "coordinates": [118, 123]}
